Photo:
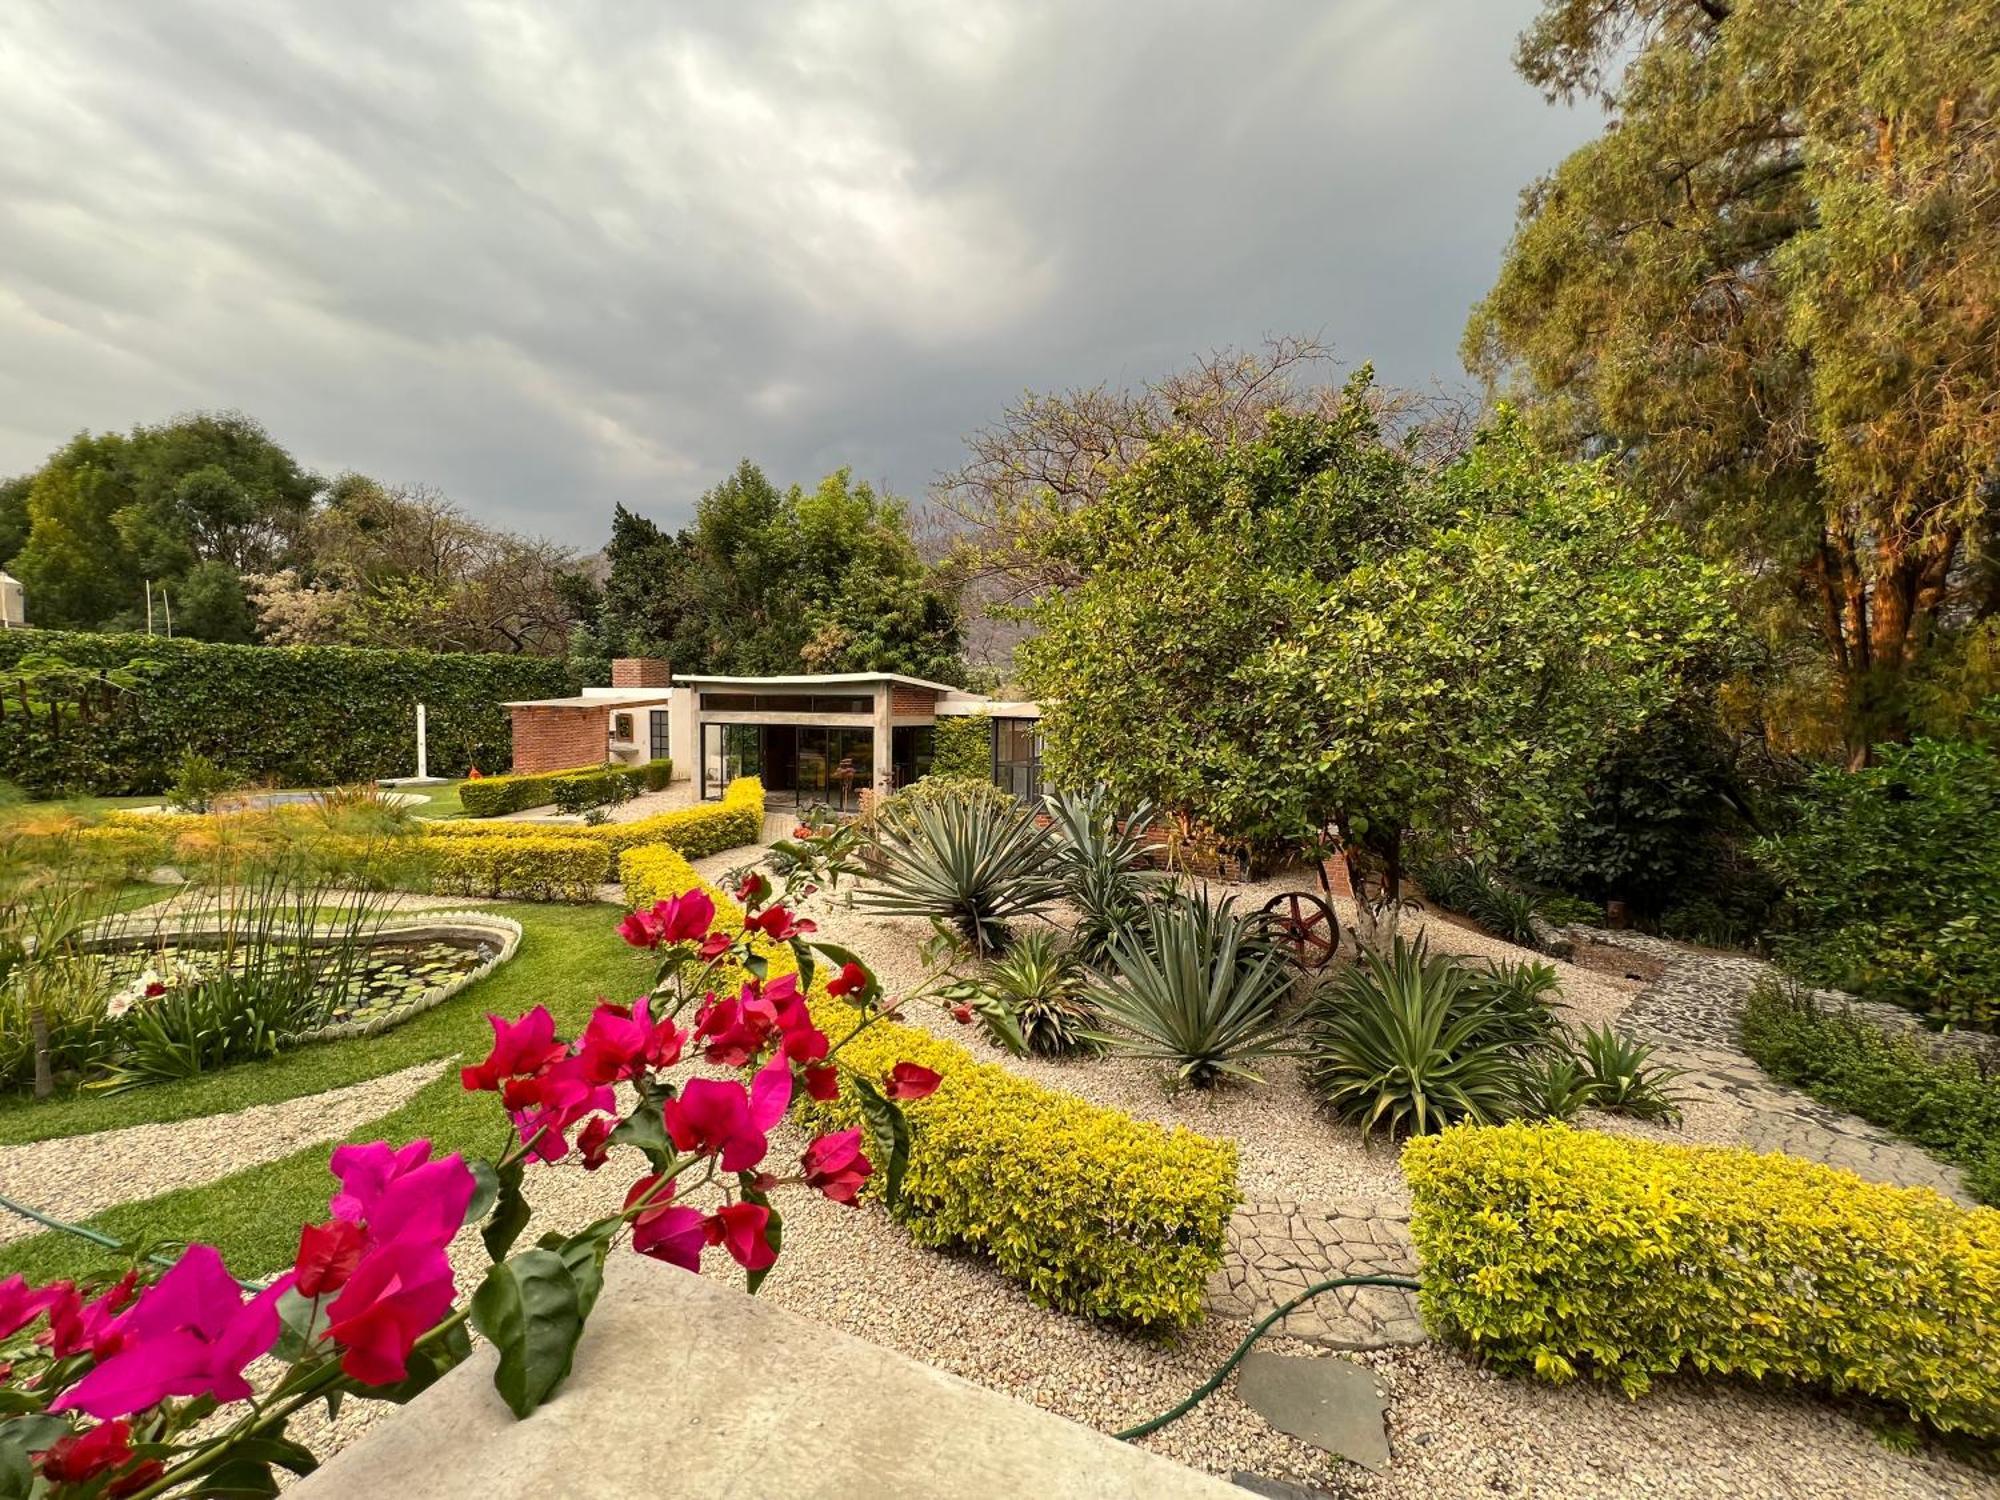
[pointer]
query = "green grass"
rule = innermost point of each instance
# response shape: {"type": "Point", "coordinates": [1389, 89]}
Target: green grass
{"type": "Point", "coordinates": [568, 957]}
{"type": "Point", "coordinates": [441, 802]}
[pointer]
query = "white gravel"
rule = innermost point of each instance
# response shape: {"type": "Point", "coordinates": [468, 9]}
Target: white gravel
{"type": "Point", "coordinates": [74, 1177]}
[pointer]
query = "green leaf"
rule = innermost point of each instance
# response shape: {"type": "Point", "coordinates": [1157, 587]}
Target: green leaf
{"type": "Point", "coordinates": [510, 1214]}
{"type": "Point", "coordinates": [530, 1309]}
{"type": "Point", "coordinates": [239, 1479]}
{"type": "Point", "coordinates": [646, 1129]}
{"type": "Point", "coordinates": [485, 1189]}
{"type": "Point", "coordinates": [803, 954]}
{"type": "Point", "coordinates": [17, 1475]}
{"type": "Point", "coordinates": [758, 965]}
{"type": "Point", "coordinates": [295, 1333]}
{"type": "Point", "coordinates": [888, 1137]}
{"type": "Point", "coordinates": [281, 1451]}
{"type": "Point", "coordinates": [584, 1254]}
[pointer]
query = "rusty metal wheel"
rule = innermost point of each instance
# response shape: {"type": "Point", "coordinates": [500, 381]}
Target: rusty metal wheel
{"type": "Point", "coordinates": [1304, 928]}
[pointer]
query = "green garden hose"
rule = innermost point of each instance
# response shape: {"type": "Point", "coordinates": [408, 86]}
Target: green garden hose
{"type": "Point", "coordinates": [1208, 1387]}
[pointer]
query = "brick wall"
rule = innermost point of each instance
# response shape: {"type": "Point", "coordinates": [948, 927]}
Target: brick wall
{"type": "Point", "coordinates": [911, 702]}
{"type": "Point", "coordinates": [641, 671]}
{"type": "Point", "coordinates": [556, 739]}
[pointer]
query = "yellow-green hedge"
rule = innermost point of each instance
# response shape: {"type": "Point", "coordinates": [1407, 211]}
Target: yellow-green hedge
{"type": "Point", "coordinates": [1556, 1252]}
{"type": "Point", "coordinates": [706, 828]}
{"type": "Point", "coordinates": [1096, 1212]}
{"type": "Point", "coordinates": [490, 796]}
{"type": "Point", "coordinates": [549, 868]}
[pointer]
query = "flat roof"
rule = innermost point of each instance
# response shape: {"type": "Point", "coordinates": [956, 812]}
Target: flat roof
{"type": "Point", "coordinates": [817, 679]}
{"type": "Point", "coordinates": [598, 698]}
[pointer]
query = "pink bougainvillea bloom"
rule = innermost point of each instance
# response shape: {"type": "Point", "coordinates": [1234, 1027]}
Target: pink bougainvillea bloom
{"type": "Point", "coordinates": [779, 925]}
{"type": "Point", "coordinates": [836, 1165]}
{"type": "Point", "coordinates": [97, 1326]}
{"type": "Point", "coordinates": [740, 1228]}
{"type": "Point", "coordinates": [681, 919]}
{"type": "Point", "coordinates": [545, 1106]}
{"type": "Point", "coordinates": [664, 1229]}
{"type": "Point", "coordinates": [593, 1142]}
{"type": "Point", "coordinates": [716, 944]}
{"type": "Point", "coordinates": [908, 1080]}
{"type": "Point", "coordinates": [713, 1116]}
{"type": "Point", "coordinates": [753, 888]}
{"type": "Point", "coordinates": [21, 1304]}
{"type": "Point", "coordinates": [613, 1046]}
{"type": "Point", "coordinates": [823, 1083]}
{"type": "Point", "coordinates": [734, 1031]}
{"type": "Point", "coordinates": [79, 1457]}
{"type": "Point", "coordinates": [639, 930]}
{"type": "Point", "coordinates": [189, 1334]}
{"type": "Point", "coordinates": [851, 979]}
{"type": "Point", "coordinates": [520, 1048]}
{"type": "Point", "coordinates": [770, 1093]}
{"type": "Point", "coordinates": [397, 1190]}
{"type": "Point", "coordinates": [365, 1173]}
{"type": "Point", "coordinates": [397, 1294]}
{"type": "Point", "coordinates": [328, 1254]}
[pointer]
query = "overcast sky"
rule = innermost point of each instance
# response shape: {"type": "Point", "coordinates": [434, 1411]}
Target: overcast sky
{"type": "Point", "coordinates": [549, 256]}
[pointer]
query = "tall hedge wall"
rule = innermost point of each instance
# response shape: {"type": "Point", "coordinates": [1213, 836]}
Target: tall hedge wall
{"type": "Point", "coordinates": [297, 715]}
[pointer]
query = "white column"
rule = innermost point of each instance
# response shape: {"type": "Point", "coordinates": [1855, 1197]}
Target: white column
{"type": "Point", "coordinates": [423, 747]}
{"type": "Point", "coordinates": [885, 740]}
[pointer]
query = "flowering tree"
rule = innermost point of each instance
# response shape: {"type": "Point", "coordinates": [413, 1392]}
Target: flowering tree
{"type": "Point", "coordinates": [136, 1386]}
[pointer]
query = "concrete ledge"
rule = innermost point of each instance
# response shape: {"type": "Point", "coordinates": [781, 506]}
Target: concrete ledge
{"type": "Point", "coordinates": [685, 1385]}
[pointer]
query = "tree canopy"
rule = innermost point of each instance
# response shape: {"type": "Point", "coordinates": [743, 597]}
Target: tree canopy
{"type": "Point", "coordinates": [1302, 631]}
{"type": "Point", "coordinates": [1772, 289]}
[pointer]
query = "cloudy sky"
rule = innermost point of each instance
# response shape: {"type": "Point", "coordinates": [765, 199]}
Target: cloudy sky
{"type": "Point", "coordinates": [548, 256]}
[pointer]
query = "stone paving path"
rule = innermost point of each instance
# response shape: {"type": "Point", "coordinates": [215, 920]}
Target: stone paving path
{"type": "Point", "coordinates": [1277, 1250]}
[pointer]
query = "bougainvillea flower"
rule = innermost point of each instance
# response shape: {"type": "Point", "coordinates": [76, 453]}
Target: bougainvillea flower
{"type": "Point", "coordinates": [546, 1106]}
{"type": "Point", "coordinates": [836, 1165]}
{"type": "Point", "coordinates": [397, 1294]}
{"type": "Point", "coordinates": [190, 1334]}
{"type": "Point", "coordinates": [779, 925]}
{"type": "Point", "coordinates": [823, 1083]}
{"type": "Point", "coordinates": [802, 1041]}
{"type": "Point", "coordinates": [80, 1457]}
{"type": "Point", "coordinates": [716, 944]}
{"type": "Point", "coordinates": [97, 1326]}
{"type": "Point", "coordinates": [397, 1192]}
{"type": "Point", "coordinates": [593, 1142]}
{"type": "Point", "coordinates": [682, 919]}
{"type": "Point", "coordinates": [664, 1229]}
{"type": "Point", "coordinates": [962, 1014]}
{"type": "Point", "coordinates": [734, 1031]}
{"type": "Point", "coordinates": [614, 1042]}
{"type": "Point", "coordinates": [753, 888]}
{"type": "Point", "coordinates": [851, 979]}
{"type": "Point", "coordinates": [365, 1173]}
{"type": "Point", "coordinates": [520, 1048]}
{"type": "Point", "coordinates": [908, 1080]}
{"type": "Point", "coordinates": [740, 1228]}
{"type": "Point", "coordinates": [770, 1094]}
{"type": "Point", "coordinates": [328, 1254]}
{"type": "Point", "coordinates": [712, 1116]}
{"type": "Point", "coordinates": [21, 1304]}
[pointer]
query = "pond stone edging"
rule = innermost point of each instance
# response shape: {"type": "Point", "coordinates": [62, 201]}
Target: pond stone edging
{"type": "Point", "coordinates": [435, 926]}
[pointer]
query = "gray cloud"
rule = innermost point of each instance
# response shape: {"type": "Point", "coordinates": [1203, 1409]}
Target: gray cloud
{"type": "Point", "coordinates": [549, 257]}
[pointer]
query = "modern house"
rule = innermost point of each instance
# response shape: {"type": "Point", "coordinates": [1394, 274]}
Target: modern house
{"type": "Point", "coordinates": [13, 603]}
{"type": "Point", "coordinates": [822, 737]}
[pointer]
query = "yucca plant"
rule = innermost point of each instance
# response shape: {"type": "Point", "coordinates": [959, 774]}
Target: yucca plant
{"type": "Point", "coordinates": [1555, 1086]}
{"type": "Point", "coordinates": [1100, 857]}
{"type": "Point", "coordinates": [1193, 984]}
{"type": "Point", "coordinates": [966, 863]}
{"type": "Point", "coordinates": [1038, 986]}
{"type": "Point", "coordinates": [1628, 1081]}
{"type": "Point", "coordinates": [1403, 1041]}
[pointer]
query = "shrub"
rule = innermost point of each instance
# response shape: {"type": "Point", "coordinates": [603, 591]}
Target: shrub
{"type": "Point", "coordinates": [963, 862]}
{"type": "Point", "coordinates": [496, 796]}
{"type": "Point", "coordinates": [1095, 1212]}
{"type": "Point", "coordinates": [1892, 879]}
{"type": "Point", "coordinates": [658, 775]}
{"type": "Point", "coordinates": [707, 828]}
{"type": "Point", "coordinates": [545, 866]}
{"type": "Point", "coordinates": [293, 715]}
{"type": "Point", "coordinates": [1558, 1252]}
{"type": "Point", "coordinates": [1196, 986]}
{"type": "Point", "coordinates": [198, 782]}
{"type": "Point", "coordinates": [1100, 854]}
{"type": "Point", "coordinates": [1627, 1080]}
{"type": "Point", "coordinates": [1945, 1105]}
{"type": "Point", "coordinates": [1039, 985]}
{"type": "Point", "coordinates": [962, 747]}
{"type": "Point", "coordinates": [1410, 1040]}
{"type": "Point", "coordinates": [1520, 998]}
{"type": "Point", "coordinates": [1461, 884]}
{"type": "Point", "coordinates": [600, 786]}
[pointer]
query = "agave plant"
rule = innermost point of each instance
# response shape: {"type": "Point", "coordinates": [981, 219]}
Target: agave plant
{"type": "Point", "coordinates": [1100, 854]}
{"type": "Point", "coordinates": [1628, 1081]}
{"type": "Point", "coordinates": [1521, 1000]}
{"type": "Point", "coordinates": [1404, 1041]}
{"type": "Point", "coordinates": [970, 864]}
{"type": "Point", "coordinates": [1038, 987]}
{"type": "Point", "coordinates": [1555, 1086]}
{"type": "Point", "coordinates": [1193, 984]}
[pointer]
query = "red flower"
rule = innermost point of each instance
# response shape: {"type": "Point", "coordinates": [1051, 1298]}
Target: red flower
{"type": "Point", "coordinates": [593, 1143]}
{"type": "Point", "coordinates": [734, 1031]}
{"type": "Point", "coordinates": [21, 1304]}
{"type": "Point", "coordinates": [520, 1048]}
{"type": "Point", "coordinates": [779, 925]}
{"type": "Point", "coordinates": [823, 1083]}
{"type": "Point", "coordinates": [328, 1254]}
{"type": "Point", "coordinates": [741, 1229]}
{"type": "Point", "coordinates": [137, 1480]}
{"type": "Point", "coordinates": [753, 889]}
{"type": "Point", "coordinates": [81, 1456]}
{"type": "Point", "coordinates": [908, 1080]}
{"type": "Point", "coordinates": [679, 920]}
{"type": "Point", "coordinates": [802, 831]}
{"type": "Point", "coordinates": [836, 1166]}
{"type": "Point", "coordinates": [98, 1326]}
{"type": "Point", "coordinates": [962, 1013]}
{"type": "Point", "coordinates": [155, 989]}
{"type": "Point", "coordinates": [851, 978]}
{"type": "Point", "coordinates": [622, 1040]}
{"type": "Point", "coordinates": [399, 1292]}
{"type": "Point", "coordinates": [546, 1106]}
{"type": "Point", "coordinates": [716, 1117]}
{"type": "Point", "coordinates": [665, 1230]}
{"type": "Point", "coordinates": [716, 944]}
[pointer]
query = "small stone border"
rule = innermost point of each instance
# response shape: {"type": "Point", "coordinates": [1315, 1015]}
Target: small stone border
{"type": "Point", "coordinates": [435, 925]}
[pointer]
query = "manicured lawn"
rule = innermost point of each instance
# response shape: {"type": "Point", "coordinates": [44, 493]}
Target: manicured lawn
{"type": "Point", "coordinates": [441, 802]}
{"type": "Point", "coordinates": [568, 957]}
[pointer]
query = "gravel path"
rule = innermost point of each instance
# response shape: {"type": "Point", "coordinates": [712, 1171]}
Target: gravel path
{"type": "Point", "coordinates": [74, 1177]}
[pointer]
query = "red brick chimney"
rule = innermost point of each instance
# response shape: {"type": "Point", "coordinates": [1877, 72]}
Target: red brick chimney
{"type": "Point", "coordinates": [641, 672]}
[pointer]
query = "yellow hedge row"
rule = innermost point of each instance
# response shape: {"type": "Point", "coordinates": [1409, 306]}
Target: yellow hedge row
{"type": "Point", "coordinates": [707, 828]}
{"type": "Point", "coordinates": [1097, 1213]}
{"type": "Point", "coordinates": [1555, 1252]}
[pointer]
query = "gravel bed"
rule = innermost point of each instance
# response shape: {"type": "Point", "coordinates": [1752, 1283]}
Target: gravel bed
{"type": "Point", "coordinates": [74, 1177]}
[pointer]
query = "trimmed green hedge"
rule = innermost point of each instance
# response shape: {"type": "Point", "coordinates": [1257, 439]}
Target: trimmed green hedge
{"type": "Point", "coordinates": [296, 715]}
{"type": "Point", "coordinates": [1944, 1105]}
{"type": "Point", "coordinates": [1556, 1252]}
{"type": "Point", "coordinates": [706, 828]}
{"type": "Point", "coordinates": [579, 791]}
{"type": "Point", "coordinates": [496, 796]}
{"type": "Point", "coordinates": [962, 745]}
{"type": "Point", "coordinates": [1095, 1212]}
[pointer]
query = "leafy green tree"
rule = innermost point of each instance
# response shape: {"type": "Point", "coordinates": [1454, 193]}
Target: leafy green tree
{"type": "Point", "coordinates": [210, 605]}
{"type": "Point", "coordinates": [74, 565]}
{"type": "Point", "coordinates": [1773, 289]}
{"type": "Point", "coordinates": [1302, 636]}
{"type": "Point", "coordinates": [14, 515]}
